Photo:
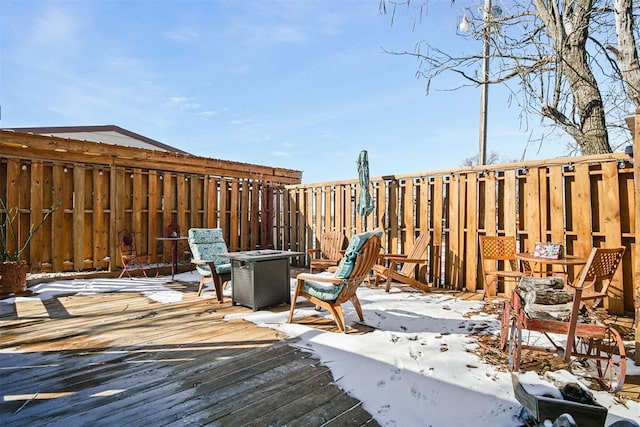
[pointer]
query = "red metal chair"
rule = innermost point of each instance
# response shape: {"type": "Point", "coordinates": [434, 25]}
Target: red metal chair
{"type": "Point", "coordinates": [129, 255]}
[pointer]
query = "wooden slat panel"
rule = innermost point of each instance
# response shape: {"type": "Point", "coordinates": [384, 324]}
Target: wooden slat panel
{"type": "Point", "coordinates": [392, 212]}
{"type": "Point", "coordinates": [408, 218]}
{"type": "Point", "coordinates": [328, 209]}
{"type": "Point", "coordinates": [508, 200]}
{"type": "Point", "coordinates": [182, 199]}
{"type": "Point", "coordinates": [155, 220]}
{"type": "Point", "coordinates": [380, 206]}
{"type": "Point", "coordinates": [610, 218]}
{"type": "Point", "coordinates": [225, 194]}
{"type": "Point", "coordinates": [532, 213]}
{"type": "Point", "coordinates": [543, 197]}
{"type": "Point", "coordinates": [318, 227]}
{"type": "Point", "coordinates": [78, 217]}
{"type": "Point", "coordinates": [453, 258]}
{"type": "Point", "coordinates": [100, 235]}
{"type": "Point", "coordinates": [58, 236]}
{"type": "Point", "coordinates": [254, 215]}
{"type": "Point", "coordinates": [34, 256]}
{"type": "Point", "coordinates": [581, 204]}
{"type": "Point", "coordinates": [437, 206]}
{"type": "Point", "coordinates": [490, 197]}
{"type": "Point", "coordinates": [244, 215]}
{"type": "Point", "coordinates": [234, 209]}
{"type": "Point", "coordinates": [556, 209]}
{"type": "Point", "coordinates": [471, 258]}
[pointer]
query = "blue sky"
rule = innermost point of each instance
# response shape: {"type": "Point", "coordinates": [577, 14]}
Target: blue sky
{"type": "Point", "coordinates": [296, 84]}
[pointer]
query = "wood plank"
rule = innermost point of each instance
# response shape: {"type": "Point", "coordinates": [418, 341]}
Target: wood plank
{"type": "Point", "coordinates": [581, 204]}
{"type": "Point", "coordinates": [473, 275]}
{"type": "Point", "coordinates": [437, 206]}
{"type": "Point", "coordinates": [454, 263]}
{"type": "Point", "coordinates": [612, 228]}
{"type": "Point", "coordinates": [78, 217]}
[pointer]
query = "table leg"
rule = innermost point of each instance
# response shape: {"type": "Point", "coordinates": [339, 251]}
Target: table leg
{"type": "Point", "coordinates": [174, 258]}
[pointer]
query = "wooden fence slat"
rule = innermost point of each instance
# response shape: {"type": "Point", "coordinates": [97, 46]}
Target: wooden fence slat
{"type": "Point", "coordinates": [471, 254]}
{"type": "Point", "coordinates": [610, 209]}
{"type": "Point", "coordinates": [581, 207]}
{"type": "Point", "coordinates": [437, 207]}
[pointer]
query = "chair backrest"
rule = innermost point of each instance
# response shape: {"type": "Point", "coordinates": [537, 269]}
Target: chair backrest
{"type": "Point", "coordinates": [601, 266]}
{"type": "Point", "coordinates": [207, 243]}
{"type": "Point", "coordinates": [498, 248]}
{"type": "Point", "coordinates": [357, 262]}
{"type": "Point", "coordinates": [332, 244]}
{"type": "Point", "coordinates": [127, 243]}
{"type": "Point", "coordinates": [418, 251]}
{"type": "Point", "coordinates": [172, 230]}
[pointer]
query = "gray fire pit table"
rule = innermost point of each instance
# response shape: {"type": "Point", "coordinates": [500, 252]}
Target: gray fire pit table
{"type": "Point", "coordinates": [260, 278]}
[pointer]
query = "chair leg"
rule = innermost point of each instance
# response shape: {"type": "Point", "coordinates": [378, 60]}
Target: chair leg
{"type": "Point", "coordinates": [217, 284]}
{"type": "Point", "coordinates": [294, 298]}
{"type": "Point", "coordinates": [485, 290]}
{"type": "Point", "coordinates": [203, 280]}
{"type": "Point", "coordinates": [356, 304]}
{"type": "Point", "coordinates": [338, 317]}
{"type": "Point", "coordinates": [392, 267]}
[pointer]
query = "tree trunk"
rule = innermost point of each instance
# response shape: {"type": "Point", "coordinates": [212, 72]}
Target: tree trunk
{"type": "Point", "coordinates": [627, 51]}
{"type": "Point", "coordinates": [588, 126]}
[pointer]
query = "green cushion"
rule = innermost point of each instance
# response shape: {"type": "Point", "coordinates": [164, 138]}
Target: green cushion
{"type": "Point", "coordinates": [206, 244]}
{"type": "Point", "coordinates": [345, 267]}
{"type": "Point", "coordinates": [323, 290]}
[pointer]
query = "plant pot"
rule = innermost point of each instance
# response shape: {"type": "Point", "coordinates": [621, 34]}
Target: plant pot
{"type": "Point", "coordinates": [13, 277]}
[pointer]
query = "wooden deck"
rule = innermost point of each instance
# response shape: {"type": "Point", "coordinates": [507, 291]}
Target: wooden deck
{"type": "Point", "coordinates": [122, 359]}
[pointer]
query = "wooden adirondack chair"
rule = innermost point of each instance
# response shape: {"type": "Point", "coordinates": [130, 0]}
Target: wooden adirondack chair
{"type": "Point", "coordinates": [329, 253]}
{"type": "Point", "coordinates": [330, 290]}
{"type": "Point", "coordinates": [406, 274]}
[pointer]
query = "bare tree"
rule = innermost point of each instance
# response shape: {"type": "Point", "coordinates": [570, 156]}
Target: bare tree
{"type": "Point", "coordinates": [575, 61]}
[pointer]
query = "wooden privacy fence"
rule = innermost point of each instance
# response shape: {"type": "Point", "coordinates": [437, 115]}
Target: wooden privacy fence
{"type": "Point", "coordinates": [97, 190]}
{"type": "Point", "coordinates": [581, 202]}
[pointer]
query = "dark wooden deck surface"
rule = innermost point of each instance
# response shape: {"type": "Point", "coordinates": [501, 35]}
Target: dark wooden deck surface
{"type": "Point", "coordinates": [121, 359]}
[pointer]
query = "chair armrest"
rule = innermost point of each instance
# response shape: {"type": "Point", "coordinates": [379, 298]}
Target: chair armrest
{"type": "Point", "coordinates": [403, 258]}
{"type": "Point", "coordinates": [313, 251]}
{"type": "Point", "coordinates": [316, 278]}
{"type": "Point", "coordinates": [393, 256]}
{"type": "Point", "coordinates": [413, 260]}
{"type": "Point", "coordinates": [202, 262]}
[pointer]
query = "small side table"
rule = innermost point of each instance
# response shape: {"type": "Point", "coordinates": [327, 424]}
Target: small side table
{"type": "Point", "coordinates": [174, 251]}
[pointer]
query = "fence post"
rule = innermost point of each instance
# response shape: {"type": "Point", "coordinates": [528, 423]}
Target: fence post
{"type": "Point", "coordinates": [635, 250]}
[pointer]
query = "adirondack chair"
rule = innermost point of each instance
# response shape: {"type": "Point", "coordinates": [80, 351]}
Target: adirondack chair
{"type": "Point", "coordinates": [600, 268]}
{"type": "Point", "coordinates": [406, 274]}
{"type": "Point", "coordinates": [329, 253]}
{"type": "Point", "coordinates": [330, 290]}
{"type": "Point", "coordinates": [206, 244]}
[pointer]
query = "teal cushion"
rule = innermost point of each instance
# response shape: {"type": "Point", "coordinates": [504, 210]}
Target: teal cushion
{"type": "Point", "coordinates": [220, 269]}
{"type": "Point", "coordinates": [323, 290]}
{"type": "Point", "coordinates": [345, 267]}
{"type": "Point", "coordinates": [206, 244]}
